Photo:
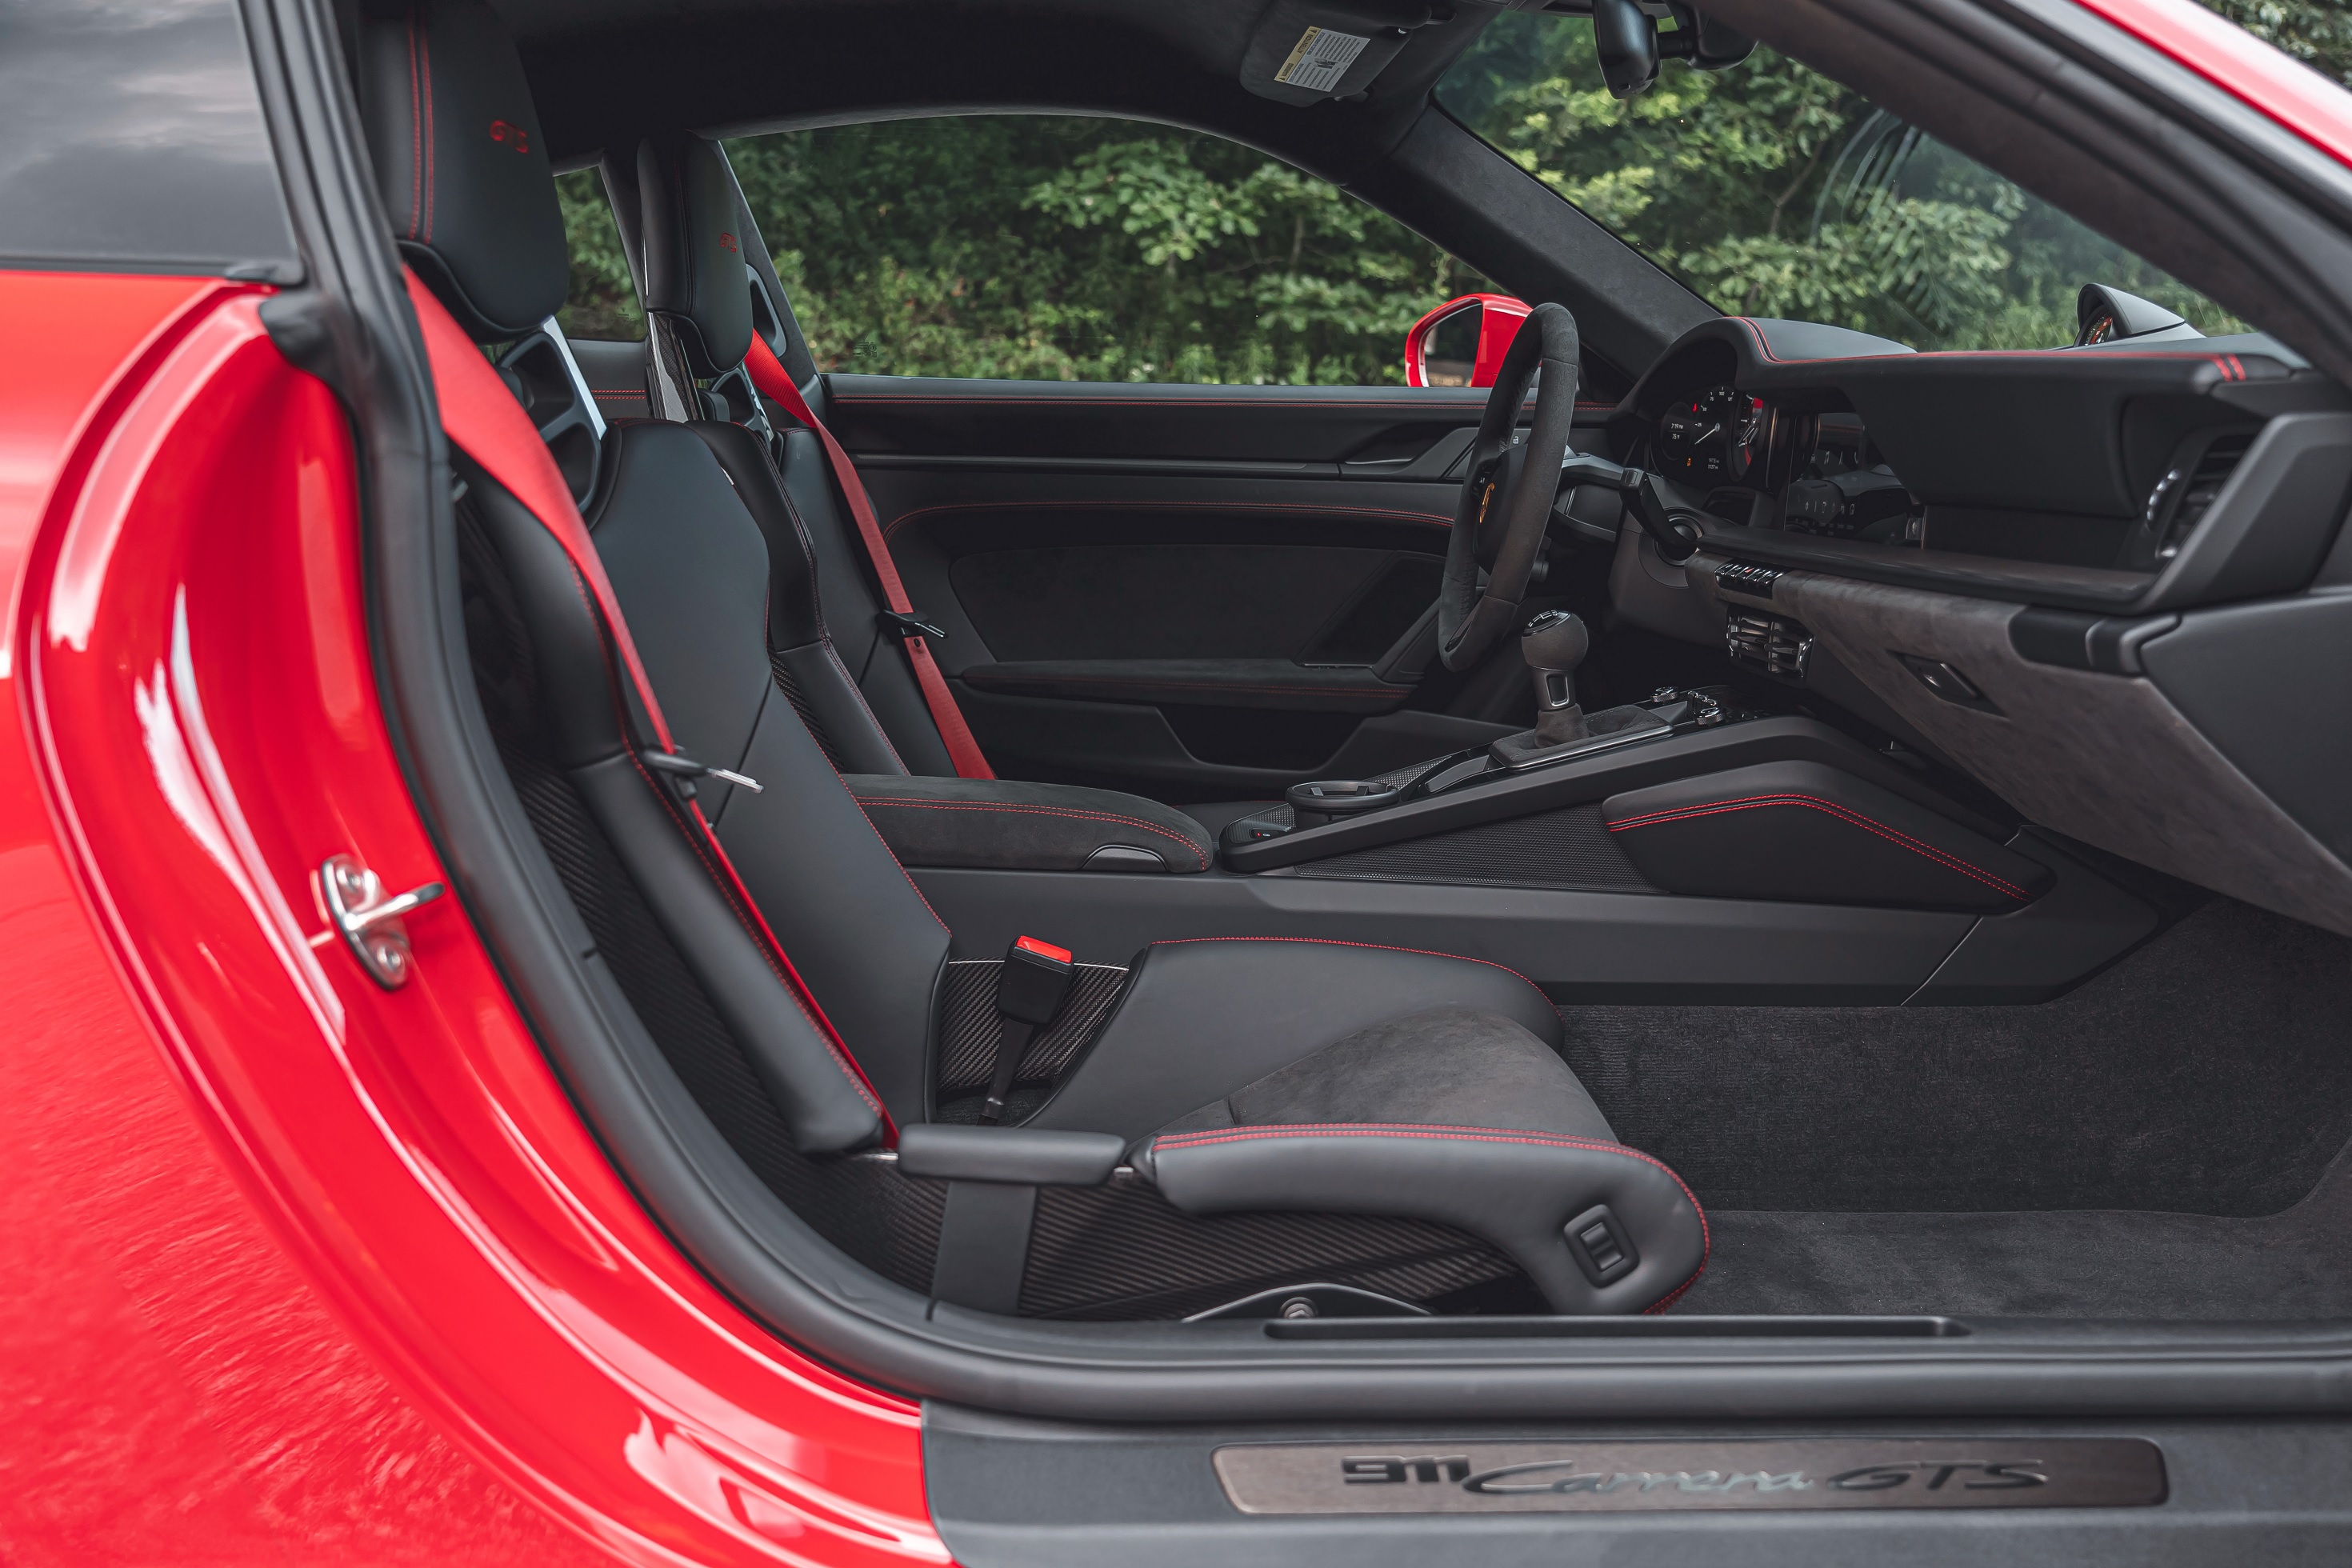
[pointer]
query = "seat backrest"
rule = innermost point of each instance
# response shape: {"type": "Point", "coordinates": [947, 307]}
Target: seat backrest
{"type": "Point", "coordinates": [841, 666]}
{"type": "Point", "coordinates": [792, 914]}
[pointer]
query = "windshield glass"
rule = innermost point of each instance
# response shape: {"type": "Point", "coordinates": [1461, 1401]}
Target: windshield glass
{"type": "Point", "coordinates": [1773, 191]}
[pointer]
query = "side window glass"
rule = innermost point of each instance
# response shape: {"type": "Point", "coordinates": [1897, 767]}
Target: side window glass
{"type": "Point", "coordinates": [1070, 249]}
{"type": "Point", "coordinates": [603, 302]}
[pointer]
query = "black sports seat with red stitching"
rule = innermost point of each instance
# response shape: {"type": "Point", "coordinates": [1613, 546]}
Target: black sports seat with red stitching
{"type": "Point", "coordinates": [1283, 1078]}
{"type": "Point", "coordinates": [686, 198]}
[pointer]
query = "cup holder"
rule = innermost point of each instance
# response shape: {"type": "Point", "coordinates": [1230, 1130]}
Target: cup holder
{"type": "Point", "coordinates": [1334, 800]}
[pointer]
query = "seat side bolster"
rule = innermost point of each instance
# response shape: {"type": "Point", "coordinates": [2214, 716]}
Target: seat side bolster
{"type": "Point", "coordinates": [821, 1095]}
{"type": "Point", "coordinates": [1518, 1190]}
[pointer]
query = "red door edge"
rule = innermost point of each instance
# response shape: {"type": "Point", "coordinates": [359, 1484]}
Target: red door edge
{"type": "Point", "coordinates": [193, 670]}
{"type": "Point", "coordinates": [2216, 49]}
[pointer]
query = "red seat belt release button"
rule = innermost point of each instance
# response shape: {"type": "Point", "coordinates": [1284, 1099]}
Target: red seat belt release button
{"type": "Point", "coordinates": [1035, 977]}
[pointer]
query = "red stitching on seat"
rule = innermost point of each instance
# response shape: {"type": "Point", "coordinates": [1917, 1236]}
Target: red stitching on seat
{"type": "Point", "coordinates": [1037, 811]}
{"type": "Point", "coordinates": [1844, 814]}
{"type": "Point", "coordinates": [432, 159]}
{"type": "Point", "coordinates": [1377, 947]}
{"type": "Point", "coordinates": [415, 135]}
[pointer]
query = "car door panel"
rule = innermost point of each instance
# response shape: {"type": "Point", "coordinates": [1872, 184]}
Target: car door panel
{"type": "Point", "coordinates": [1203, 589]}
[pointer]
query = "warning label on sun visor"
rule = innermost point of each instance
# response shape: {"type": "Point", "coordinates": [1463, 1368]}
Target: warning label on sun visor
{"type": "Point", "coordinates": [1321, 58]}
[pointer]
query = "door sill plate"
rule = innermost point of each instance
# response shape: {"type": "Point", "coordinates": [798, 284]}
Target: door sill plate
{"type": "Point", "coordinates": [1735, 1474]}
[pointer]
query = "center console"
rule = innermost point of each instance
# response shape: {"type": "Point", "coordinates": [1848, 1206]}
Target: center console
{"type": "Point", "coordinates": [1680, 849]}
{"type": "Point", "coordinates": [1553, 645]}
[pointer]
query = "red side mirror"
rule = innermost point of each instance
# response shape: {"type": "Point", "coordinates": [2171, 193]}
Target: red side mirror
{"type": "Point", "coordinates": [1462, 342]}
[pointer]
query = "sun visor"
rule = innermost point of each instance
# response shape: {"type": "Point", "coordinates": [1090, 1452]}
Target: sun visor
{"type": "Point", "coordinates": [1305, 51]}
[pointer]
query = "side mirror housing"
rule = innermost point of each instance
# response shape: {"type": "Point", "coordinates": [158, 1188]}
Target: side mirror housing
{"type": "Point", "coordinates": [1462, 342]}
{"type": "Point", "coordinates": [2105, 315]}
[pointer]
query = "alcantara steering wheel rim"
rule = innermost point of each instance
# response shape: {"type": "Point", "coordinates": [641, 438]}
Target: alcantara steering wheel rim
{"type": "Point", "coordinates": [1507, 497]}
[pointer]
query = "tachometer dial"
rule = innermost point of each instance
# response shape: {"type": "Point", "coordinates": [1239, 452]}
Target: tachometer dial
{"type": "Point", "coordinates": [1717, 434]}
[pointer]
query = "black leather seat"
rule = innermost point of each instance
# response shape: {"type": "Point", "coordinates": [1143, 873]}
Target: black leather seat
{"type": "Point", "coordinates": [1246, 1076]}
{"type": "Point", "coordinates": [865, 709]}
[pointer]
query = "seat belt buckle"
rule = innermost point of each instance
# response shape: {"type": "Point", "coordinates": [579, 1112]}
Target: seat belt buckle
{"type": "Point", "coordinates": [1035, 977]}
{"type": "Point", "coordinates": [909, 623]}
{"type": "Point", "coordinates": [1030, 985]}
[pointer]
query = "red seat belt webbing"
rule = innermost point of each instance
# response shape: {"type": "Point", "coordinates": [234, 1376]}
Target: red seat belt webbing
{"type": "Point", "coordinates": [481, 416]}
{"type": "Point", "coordinates": [768, 374]}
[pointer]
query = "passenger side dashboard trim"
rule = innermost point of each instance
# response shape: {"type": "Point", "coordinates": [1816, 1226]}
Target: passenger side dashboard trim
{"type": "Point", "coordinates": [2106, 759]}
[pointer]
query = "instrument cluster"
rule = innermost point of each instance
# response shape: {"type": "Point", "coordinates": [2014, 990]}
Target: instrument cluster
{"type": "Point", "coordinates": [1767, 466]}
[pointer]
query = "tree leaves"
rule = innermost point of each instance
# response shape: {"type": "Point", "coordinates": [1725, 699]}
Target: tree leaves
{"type": "Point", "coordinates": [1773, 191]}
{"type": "Point", "coordinates": [1069, 248]}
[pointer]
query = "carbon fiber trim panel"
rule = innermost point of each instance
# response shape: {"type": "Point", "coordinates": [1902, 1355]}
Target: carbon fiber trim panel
{"type": "Point", "coordinates": [970, 1027]}
{"type": "Point", "coordinates": [787, 683]}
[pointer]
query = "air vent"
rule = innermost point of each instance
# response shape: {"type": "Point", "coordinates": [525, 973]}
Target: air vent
{"type": "Point", "coordinates": [2186, 493]}
{"type": "Point", "coordinates": [1773, 644]}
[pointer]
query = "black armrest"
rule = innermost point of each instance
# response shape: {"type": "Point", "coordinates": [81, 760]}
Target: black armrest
{"type": "Point", "coordinates": [1009, 824]}
{"type": "Point", "coordinates": [1021, 1155]}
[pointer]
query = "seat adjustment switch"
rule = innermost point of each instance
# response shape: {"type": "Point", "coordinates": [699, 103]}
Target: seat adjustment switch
{"type": "Point", "coordinates": [1601, 1244]}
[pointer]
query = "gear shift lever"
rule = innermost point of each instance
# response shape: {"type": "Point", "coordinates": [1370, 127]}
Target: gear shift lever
{"type": "Point", "coordinates": [1554, 643]}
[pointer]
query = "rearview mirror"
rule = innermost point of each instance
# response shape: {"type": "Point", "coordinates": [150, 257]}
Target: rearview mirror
{"type": "Point", "coordinates": [1626, 38]}
{"type": "Point", "coordinates": [1462, 342]}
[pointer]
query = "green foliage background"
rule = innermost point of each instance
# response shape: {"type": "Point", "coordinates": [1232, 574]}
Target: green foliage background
{"type": "Point", "coordinates": [1068, 248]}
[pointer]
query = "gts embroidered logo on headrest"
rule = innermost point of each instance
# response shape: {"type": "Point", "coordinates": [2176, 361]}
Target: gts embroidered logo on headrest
{"type": "Point", "coordinates": [507, 131]}
{"type": "Point", "coordinates": [727, 242]}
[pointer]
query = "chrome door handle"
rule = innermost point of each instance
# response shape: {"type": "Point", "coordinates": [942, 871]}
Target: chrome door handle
{"type": "Point", "coordinates": [370, 922]}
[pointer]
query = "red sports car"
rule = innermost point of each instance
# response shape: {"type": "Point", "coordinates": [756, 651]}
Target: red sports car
{"type": "Point", "coordinates": [777, 798]}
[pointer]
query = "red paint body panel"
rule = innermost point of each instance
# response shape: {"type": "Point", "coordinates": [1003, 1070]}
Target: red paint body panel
{"type": "Point", "coordinates": [276, 1264]}
{"type": "Point", "coordinates": [2305, 102]}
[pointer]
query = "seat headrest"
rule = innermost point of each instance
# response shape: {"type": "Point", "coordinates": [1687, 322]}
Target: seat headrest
{"type": "Point", "coordinates": [461, 165]}
{"type": "Point", "coordinates": [694, 257]}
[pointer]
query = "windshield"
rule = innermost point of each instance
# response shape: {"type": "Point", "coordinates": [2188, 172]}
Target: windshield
{"type": "Point", "coordinates": [1773, 191]}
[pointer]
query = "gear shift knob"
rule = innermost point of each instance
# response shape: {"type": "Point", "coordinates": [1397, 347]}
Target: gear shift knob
{"type": "Point", "coordinates": [1554, 643]}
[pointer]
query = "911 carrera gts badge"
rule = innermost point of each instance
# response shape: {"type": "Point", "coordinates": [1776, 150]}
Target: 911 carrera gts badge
{"type": "Point", "coordinates": [1738, 1474]}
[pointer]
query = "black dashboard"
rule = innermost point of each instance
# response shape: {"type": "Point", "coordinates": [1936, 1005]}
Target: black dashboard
{"type": "Point", "coordinates": [2110, 475]}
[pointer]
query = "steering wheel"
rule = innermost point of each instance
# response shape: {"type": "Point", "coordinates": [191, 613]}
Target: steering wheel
{"type": "Point", "coordinates": [1507, 500]}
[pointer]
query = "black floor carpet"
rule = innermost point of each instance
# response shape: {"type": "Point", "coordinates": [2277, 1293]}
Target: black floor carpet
{"type": "Point", "coordinates": [2094, 1264]}
{"type": "Point", "coordinates": [2210, 1073]}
